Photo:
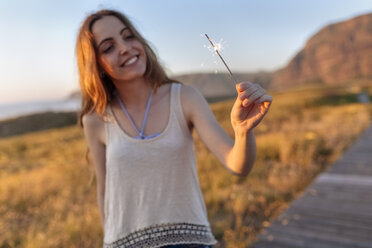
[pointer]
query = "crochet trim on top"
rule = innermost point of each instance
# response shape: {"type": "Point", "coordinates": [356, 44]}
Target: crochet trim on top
{"type": "Point", "coordinates": [165, 234]}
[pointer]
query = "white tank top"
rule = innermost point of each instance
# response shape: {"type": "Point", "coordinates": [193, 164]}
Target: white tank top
{"type": "Point", "coordinates": [152, 193]}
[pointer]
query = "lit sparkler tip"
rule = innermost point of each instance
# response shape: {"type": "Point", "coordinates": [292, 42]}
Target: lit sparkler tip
{"type": "Point", "coordinates": [218, 46]}
{"type": "Point", "coordinates": [216, 49]}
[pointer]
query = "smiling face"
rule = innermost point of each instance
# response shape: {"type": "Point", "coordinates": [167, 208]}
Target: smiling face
{"type": "Point", "coordinates": [120, 54]}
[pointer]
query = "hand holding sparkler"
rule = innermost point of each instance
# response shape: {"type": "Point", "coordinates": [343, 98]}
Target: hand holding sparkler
{"type": "Point", "coordinates": [251, 105]}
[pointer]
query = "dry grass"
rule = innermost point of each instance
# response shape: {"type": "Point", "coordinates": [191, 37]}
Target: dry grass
{"type": "Point", "coordinates": [48, 196]}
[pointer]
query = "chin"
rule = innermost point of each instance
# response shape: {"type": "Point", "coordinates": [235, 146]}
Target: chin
{"type": "Point", "coordinates": [132, 75]}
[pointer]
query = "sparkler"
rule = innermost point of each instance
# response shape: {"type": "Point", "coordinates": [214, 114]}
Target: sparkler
{"type": "Point", "coordinates": [216, 48]}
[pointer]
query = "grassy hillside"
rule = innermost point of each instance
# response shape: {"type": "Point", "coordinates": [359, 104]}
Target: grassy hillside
{"type": "Point", "coordinates": [36, 122]}
{"type": "Point", "coordinates": [48, 195]}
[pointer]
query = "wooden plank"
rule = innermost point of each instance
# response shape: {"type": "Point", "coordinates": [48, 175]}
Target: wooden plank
{"type": "Point", "coordinates": [299, 241]}
{"type": "Point", "coordinates": [345, 180]}
{"type": "Point", "coordinates": [316, 239]}
{"type": "Point", "coordinates": [285, 240]}
{"type": "Point", "coordinates": [356, 168]}
{"type": "Point", "coordinates": [273, 244]}
{"type": "Point", "coordinates": [306, 219]}
{"type": "Point", "coordinates": [316, 204]}
{"type": "Point", "coordinates": [360, 218]}
{"type": "Point", "coordinates": [342, 219]}
{"type": "Point", "coordinates": [349, 171]}
{"type": "Point", "coordinates": [334, 194]}
{"type": "Point", "coordinates": [345, 199]}
{"type": "Point", "coordinates": [356, 197]}
{"type": "Point", "coordinates": [354, 232]}
{"type": "Point", "coordinates": [341, 187]}
{"type": "Point", "coordinates": [278, 244]}
{"type": "Point", "coordinates": [338, 204]}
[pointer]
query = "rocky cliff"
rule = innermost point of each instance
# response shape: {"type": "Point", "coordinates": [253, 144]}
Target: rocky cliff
{"type": "Point", "coordinates": [340, 53]}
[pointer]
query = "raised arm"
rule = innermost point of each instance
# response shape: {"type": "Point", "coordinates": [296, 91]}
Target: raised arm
{"type": "Point", "coordinates": [250, 107]}
{"type": "Point", "coordinates": [94, 135]}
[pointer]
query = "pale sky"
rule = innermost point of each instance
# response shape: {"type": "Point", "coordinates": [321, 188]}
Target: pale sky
{"type": "Point", "coordinates": [37, 43]}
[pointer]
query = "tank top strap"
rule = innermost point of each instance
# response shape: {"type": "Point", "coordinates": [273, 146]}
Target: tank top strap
{"type": "Point", "coordinates": [177, 107]}
{"type": "Point", "coordinates": [176, 116]}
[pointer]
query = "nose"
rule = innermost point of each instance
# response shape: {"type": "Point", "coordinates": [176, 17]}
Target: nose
{"type": "Point", "coordinates": [123, 47]}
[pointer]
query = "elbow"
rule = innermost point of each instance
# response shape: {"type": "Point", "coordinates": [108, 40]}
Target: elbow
{"type": "Point", "coordinates": [241, 170]}
{"type": "Point", "coordinates": [241, 174]}
{"type": "Point", "coordinates": [240, 167]}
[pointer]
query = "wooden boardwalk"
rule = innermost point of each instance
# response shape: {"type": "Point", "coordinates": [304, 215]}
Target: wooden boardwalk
{"type": "Point", "coordinates": [335, 211]}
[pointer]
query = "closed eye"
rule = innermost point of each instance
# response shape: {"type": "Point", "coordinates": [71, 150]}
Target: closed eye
{"type": "Point", "coordinates": [128, 37]}
{"type": "Point", "coordinates": [127, 34]}
{"type": "Point", "coordinates": [107, 49]}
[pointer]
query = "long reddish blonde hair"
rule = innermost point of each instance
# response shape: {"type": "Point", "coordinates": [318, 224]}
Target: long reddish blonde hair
{"type": "Point", "coordinates": [96, 91]}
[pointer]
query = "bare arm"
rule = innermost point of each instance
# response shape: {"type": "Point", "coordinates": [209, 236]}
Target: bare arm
{"type": "Point", "coordinates": [239, 155]}
{"type": "Point", "coordinates": [94, 135]}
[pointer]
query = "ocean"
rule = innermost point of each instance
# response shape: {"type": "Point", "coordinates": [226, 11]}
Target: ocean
{"type": "Point", "coordinates": [13, 110]}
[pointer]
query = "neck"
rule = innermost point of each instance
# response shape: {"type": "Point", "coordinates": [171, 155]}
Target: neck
{"type": "Point", "coordinates": [135, 92]}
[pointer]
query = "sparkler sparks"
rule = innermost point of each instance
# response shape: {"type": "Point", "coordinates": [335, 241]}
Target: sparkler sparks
{"type": "Point", "coordinates": [218, 48]}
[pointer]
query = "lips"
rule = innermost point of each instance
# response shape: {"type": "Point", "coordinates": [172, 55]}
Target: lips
{"type": "Point", "coordinates": [130, 61]}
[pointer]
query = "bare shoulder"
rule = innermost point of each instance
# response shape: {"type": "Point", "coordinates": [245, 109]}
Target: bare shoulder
{"type": "Point", "coordinates": [189, 90]}
{"type": "Point", "coordinates": [93, 127]}
{"type": "Point", "coordinates": [194, 104]}
{"type": "Point", "coordinates": [191, 96]}
{"type": "Point", "coordinates": [91, 120]}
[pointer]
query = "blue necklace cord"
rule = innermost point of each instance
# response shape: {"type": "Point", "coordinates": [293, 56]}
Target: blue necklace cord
{"type": "Point", "coordinates": [140, 132]}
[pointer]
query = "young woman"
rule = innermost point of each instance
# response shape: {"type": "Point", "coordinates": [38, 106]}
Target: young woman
{"type": "Point", "coordinates": [138, 124]}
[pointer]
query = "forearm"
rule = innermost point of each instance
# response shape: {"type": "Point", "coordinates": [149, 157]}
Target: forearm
{"type": "Point", "coordinates": [243, 154]}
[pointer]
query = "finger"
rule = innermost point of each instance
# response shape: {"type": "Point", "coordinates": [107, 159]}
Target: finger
{"type": "Point", "coordinates": [247, 94]}
{"type": "Point", "coordinates": [252, 98]}
{"type": "Point", "coordinates": [252, 89]}
{"type": "Point", "coordinates": [267, 104]}
{"type": "Point", "coordinates": [238, 111]}
{"type": "Point", "coordinates": [243, 86]}
{"type": "Point", "coordinates": [266, 100]}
